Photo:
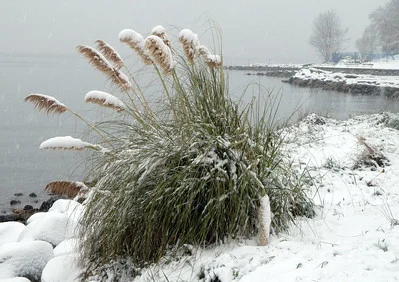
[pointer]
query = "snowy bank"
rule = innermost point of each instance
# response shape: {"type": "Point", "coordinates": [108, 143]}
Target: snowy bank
{"type": "Point", "coordinates": [350, 83]}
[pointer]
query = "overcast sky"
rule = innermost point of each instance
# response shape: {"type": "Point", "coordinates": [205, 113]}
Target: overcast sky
{"type": "Point", "coordinates": [254, 31]}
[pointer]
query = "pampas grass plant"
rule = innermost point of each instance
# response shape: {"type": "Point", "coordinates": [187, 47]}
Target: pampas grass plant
{"type": "Point", "coordinates": [192, 171]}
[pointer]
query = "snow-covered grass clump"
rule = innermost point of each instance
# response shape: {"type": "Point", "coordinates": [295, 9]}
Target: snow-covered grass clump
{"type": "Point", "coordinates": [198, 169]}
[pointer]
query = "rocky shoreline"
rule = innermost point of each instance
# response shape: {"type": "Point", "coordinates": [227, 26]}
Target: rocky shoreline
{"type": "Point", "coordinates": [387, 86]}
{"type": "Point", "coordinates": [277, 73]}
{"type": "Point", "coordinates": [21, 215]}
{"type": "Point", "coordinates": [341, 86]}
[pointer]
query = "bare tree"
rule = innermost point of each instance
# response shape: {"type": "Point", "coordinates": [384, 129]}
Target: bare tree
{"type": "Point", "coordinates": [328, 34]}
{"type": "Point", "coordinates": [386, 22]}
{"type": "Point", "coordinates": [368, 43]}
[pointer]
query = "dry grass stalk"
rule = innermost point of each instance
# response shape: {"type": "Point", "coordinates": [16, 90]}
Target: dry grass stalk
{"type": "Point", "coordinates": [135, 41]}
{"type": "Point", "coordinates": [68, 188]}
{"type": "Point", "coordinates": [103, 65]}
{"type": "Point", "coordinates": [49, 104]}
{"type": "Point", "coordinates": [160, 31]}
{"type": "Point", "coordinates": [110, 53]}
{"type": "Point", "coordinates": [190, 42]}
{"type": "Point", "coordinates": [160, 52]}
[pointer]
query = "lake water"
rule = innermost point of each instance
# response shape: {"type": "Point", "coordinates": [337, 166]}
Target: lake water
{"type": "Point", "coordinates": [24, 168]}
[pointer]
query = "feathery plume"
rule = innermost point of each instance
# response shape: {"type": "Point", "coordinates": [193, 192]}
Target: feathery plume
{"type": "Point", "coordinates": [135, 41]}
{"type": "Point", "coordinates": [110, 53]}
{"type": "Point", "coordinates": [160, 31]}
{"type": "Point", "coordinates": [160, 53]}
{"type": "Point", "coordinates": [190, 42]}
{"type": "Point", "coordinates": [68, 188]}
{"type": "Point", "coordinates": [102, 64]}
{"type": "Point", "coordinates": [212, 61]}
{"type": "Point", "coordinates": [104, 99]}
{"type": "Point", "coordinates": [49, 104]}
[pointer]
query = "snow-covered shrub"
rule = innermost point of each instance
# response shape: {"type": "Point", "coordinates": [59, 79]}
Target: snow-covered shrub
{"type": "Point", "coordinates": [192, 171]}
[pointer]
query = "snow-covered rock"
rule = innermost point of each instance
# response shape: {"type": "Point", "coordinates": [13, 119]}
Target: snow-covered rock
{"type": "Point", "coordinates": [58, 224]}
{"type": "Point", "coordinates": [66, 247]}
{"type": "Point", "coordinates": [54, 228]}
{"type": "Point", "coordinates": [69, 207]}
{"type": "Point", "coordinates": [24, 259]}
{"type": "Point", "coordinates": [10, 231]}
{"type": "Point", "coordinates": [62, 268]}
{"type": "Point", "coordinates": [35, 216]}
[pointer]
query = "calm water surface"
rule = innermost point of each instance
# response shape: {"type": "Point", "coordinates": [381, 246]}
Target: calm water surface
{"type": "Point", "coordinates": [24, 168]}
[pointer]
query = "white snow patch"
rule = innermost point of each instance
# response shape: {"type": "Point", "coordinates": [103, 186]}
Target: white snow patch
{"type": "Point", "coordinates": [54, 228]}
{"type": "Point", "coordinates": [26, 259]}
{"type": "Point", "coordinates": [64, 142]}
{"type": "Point", "coordinates": [35, 216]}
{"type": "Point", "coordinates": [159, 29]}
{"type": "Point", "coordinates": [10, 231]}
{"type": "Point", "coordinates": [188, 36]}
{"type": "Point", "coordinates": [66, 247]}
{"type": "Point", "coordinates": [62, 268]}
{"type": "Point", "coordinates": [136, 38]}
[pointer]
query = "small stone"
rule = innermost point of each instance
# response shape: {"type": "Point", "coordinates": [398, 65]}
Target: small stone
{"type": "Point", "coordinates": [18, 194]}
{"type": "Point", "coordinates": [28, 207]}
{"type": "Point", "coordinates": [32, 195]}
{"type": "Point", "coordinates": [14, 202]}
{"type": "Point", "coordinates": [46, 205]}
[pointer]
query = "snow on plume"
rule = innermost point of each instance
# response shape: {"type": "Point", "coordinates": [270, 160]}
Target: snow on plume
{"type": "Point", "coordinates": [190, 42]}
{"type": "Point", "coordinates": [64, 143]}
{"type": "Point", "coordinates": [129, 35]}
{"type": "Point", "coordinates": [135, 41]}
{"type": "Point", "coordinates": [160, 52]}
{"type": "Point", "coordinates": [104, 99]}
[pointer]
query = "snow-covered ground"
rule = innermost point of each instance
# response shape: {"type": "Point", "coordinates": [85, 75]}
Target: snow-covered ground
{"type": "Point", "coordinates": [391, 63]}
{"type": "Point", "coordinates": [354, 237]}
{"type": "Point", "coordinates": [362, 79]}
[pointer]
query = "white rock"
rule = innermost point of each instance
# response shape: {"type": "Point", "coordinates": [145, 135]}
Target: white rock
{"type": "Point", "coordinates": [54, 227]}
{"type": "Point", "coordinates": [66, 247]}
{"type": "Point", "coordinates": [61, 268]}
{"type": "Point", "coordinates": [26, 259]}
{"type": "Point", "coordinates": [10, 231]}
{"type": "Point", "coordinates": [69, 207]}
